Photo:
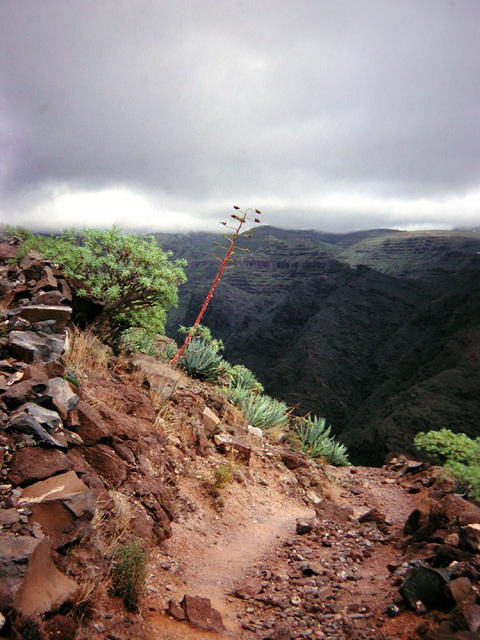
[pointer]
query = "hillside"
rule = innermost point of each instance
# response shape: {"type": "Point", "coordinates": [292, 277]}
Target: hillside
{"type": "Point", "coordinates": [378, 331]}
{"type": "Point", "coordinates": [111, 464]}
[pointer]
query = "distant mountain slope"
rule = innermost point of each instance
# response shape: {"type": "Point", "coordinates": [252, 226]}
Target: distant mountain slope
{"type": "Point", "coordinates": [378, 331]}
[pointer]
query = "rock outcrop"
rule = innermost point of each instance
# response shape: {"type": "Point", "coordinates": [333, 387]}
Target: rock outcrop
{"type": "Point", "coordinates": [60, 456]}
{"type": "Point", "coordinates": [83, 462]}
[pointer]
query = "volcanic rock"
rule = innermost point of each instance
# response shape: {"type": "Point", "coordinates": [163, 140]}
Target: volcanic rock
{"type": "Point", "coordinates": [59, 390]}
{"type": "Point", "coordinates": [201, 615]}
{"type": "Point", "coordinates": [63, 506]}
{"type": "Point", "coordinates": [426, 585]}
{"type": "Point", "coordinates": [31, 346]}
{"type": "Point", "coordinates": [30, 464]}
{"type": "Point", "coordinates": [240, 449]}
{"type": "Point", "coordinates": [29, 581]}
{"type": "Point", "coordinates": [294, 460]}
{"type": "Point", "coordinates": [107, 464]}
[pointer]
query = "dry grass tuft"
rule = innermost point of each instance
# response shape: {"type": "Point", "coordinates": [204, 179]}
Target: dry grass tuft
{"type": "Point", "coordinates": [276, 434]}
{"type": "Point", "coordinates": [114, 398]}
{"type": "Point", "coordinates": [110, 525]}
{"type": "Point", "coordinates": [86, 354]}
{"type": "Point", "coordinates": [92, 588]}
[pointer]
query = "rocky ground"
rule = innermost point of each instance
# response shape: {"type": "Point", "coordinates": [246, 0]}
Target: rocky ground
{"type": "Point", "coordinates": [246, 538]}
{"type": "Point", "coordinates": [332, 572]}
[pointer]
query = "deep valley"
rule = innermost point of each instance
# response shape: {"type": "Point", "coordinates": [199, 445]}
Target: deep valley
{"type": "Point", "coordinates": [378, 331]}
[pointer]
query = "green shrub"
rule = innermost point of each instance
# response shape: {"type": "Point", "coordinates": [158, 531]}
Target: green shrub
{"type": "Point", "coordinates": [141, 340]}
{"type": "Point", "coordinates": [130, 572]}
{"type": "Point", "coordinates": [318, 443]}
{"type": "Point", "coordinates": [223, 475]}
{"type": "Point", "coordinates": [131, 277]}
{"type": "Point", "coordinates": [7, 232]}
{"type": "Point", "coordinates": [459, 454]}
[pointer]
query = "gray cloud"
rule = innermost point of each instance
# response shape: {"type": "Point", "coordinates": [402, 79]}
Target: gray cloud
{"type": "Point", "coordinates": [163, 114]}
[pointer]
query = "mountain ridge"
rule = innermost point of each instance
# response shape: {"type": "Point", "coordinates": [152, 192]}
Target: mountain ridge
{"type": "Point", "coordinates": [356, 327]}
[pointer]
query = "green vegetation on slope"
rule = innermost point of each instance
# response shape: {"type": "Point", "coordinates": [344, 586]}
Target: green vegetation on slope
{"type": "Point", "coordinates": [130, 572]}
{"type": "Point", "coordinates": [202, 360]}
{"type": "Point", "coordinates": [459, 454]}
{"type": "Point", "coordinates": [317, 441]}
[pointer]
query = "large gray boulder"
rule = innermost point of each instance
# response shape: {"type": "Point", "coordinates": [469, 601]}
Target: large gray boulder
{"type": "Point", "coordinates": [35, 347]}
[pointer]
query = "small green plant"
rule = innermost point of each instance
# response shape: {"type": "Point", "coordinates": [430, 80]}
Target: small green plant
{"type": "Point", "coordinates": [138, 339]}
{"type": "Point", "coordinates": [459, 454]}
{"type": "Point", "coordinates": [130, 572]}
{"type": "Point", "coordinates": [261, 410]}
{"type": "Point", "coordinates": [7, 232]}
{"type": "Point", "coordinates": [222, 475]}
{"type": "Point", "coordinates": [317, 441]}
{"type": "Point", "coordinates": [246, 392]}
{"type": "Point", "coordinates": [201, 360]}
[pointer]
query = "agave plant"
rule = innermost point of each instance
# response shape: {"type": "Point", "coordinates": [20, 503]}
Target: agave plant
{"type": "Point", "coordinates": [243, 378]}
{"type": "Point", "coordinates": [236, 395]}
{"type": "Point", "coordinates": [201, 360]}
{"type": "Point", "coordinates": [318, 443]}
{"type": "Point", "coordinates": [312, 431]}
{"type": "Point", "coordinates": [263, 411]}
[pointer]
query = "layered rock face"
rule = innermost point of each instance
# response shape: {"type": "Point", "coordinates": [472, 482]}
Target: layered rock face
{"type": "Point", "coordinates": [376, 331]}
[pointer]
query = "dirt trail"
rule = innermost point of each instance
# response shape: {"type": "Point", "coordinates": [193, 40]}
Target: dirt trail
{"type": "Point", "coordinates": [210, 553]}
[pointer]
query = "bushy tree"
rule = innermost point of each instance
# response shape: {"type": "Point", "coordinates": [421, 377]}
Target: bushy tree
{"type": "Point", "coordinates": [131, 277]}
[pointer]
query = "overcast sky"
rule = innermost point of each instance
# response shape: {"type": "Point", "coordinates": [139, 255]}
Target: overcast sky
{"type": "Point", "coordinates": [162, 114]}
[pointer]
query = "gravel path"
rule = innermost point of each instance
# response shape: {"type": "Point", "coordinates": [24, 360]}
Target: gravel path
{"type": "Point", "coordinates": [270, 582]}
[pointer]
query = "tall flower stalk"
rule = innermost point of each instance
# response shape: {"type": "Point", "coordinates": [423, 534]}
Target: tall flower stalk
{"type": "Point", "coordinates": [241, 218]}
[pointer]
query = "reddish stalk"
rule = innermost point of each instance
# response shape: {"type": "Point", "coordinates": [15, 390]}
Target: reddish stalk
{"type": "Point", "coordinates": [233, 239]}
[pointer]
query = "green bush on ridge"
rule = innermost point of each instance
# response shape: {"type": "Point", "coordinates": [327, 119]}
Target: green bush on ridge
{"type": "Point", "coordinates": [458, 453]}
{"type": "Point", "coordinates": [130, 276]}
